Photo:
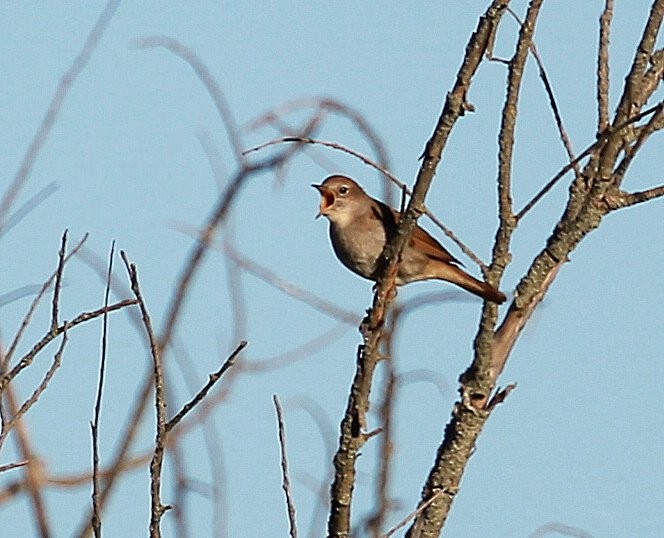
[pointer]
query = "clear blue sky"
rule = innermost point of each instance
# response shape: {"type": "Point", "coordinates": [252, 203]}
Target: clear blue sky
{"type": "Point", "coordinates": [579, 442]}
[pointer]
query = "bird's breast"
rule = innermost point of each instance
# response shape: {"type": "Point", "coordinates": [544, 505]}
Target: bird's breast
{"type": "Point", "coordinates": [358, 250]}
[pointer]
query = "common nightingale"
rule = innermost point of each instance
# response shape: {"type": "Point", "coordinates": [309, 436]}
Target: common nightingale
{"type": "Point", "coordinates": [360, 226]}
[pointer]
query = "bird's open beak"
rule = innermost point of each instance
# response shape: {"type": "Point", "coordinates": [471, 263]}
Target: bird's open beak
{"type": "Point", "coordinates": [326, 201]}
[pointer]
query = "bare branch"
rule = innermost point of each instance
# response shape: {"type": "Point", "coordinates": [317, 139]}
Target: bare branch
{"type": "Point", "coordinates": [644, 196]}
{"type": "Point", "coordinates": [631, 151]}
{"type": "Point", "coordinates": [564, 137]}
{"type": "Point", "coordinates": [34, 397]}
{"type": "Point", "coordinates": [27, 359]}
{"type": "Point", "coordinates": [603, 67]}
{"type": "Point", "coordinates": [286, 485]}
{"type": "Point", "coordinates": [632, 99]}
{"type": "Point", "coordinates": [94, 425]}
{"type": "Point", "coordinates": [33, 307]}
{"type": "Point", "coordinates": [327, 105]}
{"type": "Point", "coordinates": [624, 199]}
{"type": "Point", "coordinates": [214, 451]}
{"type": "Point", "coordinates": [33, 472]}
{"type": "Point", "coordinates": [10, 466]}
{"type": "Point", "coordinates": [414, 513]}
{"type": "Point", "coordinates": [590, 149]}
{"type": "Point", "coordinates": [477, 382]}
{"type": "Point", "coordinates": [352, 436]}
{"type": "Point", "coordinates": [208, 386]}
{"type": "Point", "coordinates": [653, 77]}
{"type": "Point", "coordinates": [290, 289]}
{"type": "Point", "coordinates": [58, 281]}
{"type": "Point", "coordinates": [215, 219]}
{"type": "Point", "coordinates": [157, 508]}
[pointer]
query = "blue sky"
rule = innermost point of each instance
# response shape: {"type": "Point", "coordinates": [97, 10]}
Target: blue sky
{"type": "Point", "coordinates": [578, 443]}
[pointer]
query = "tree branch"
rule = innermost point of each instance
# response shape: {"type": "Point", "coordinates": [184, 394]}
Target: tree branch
{"type": "Point", "coordinates": [603, 67]}
{"type": "Point", "coordinates": [478, 381]}
{"type": "Point", "coordinates": [352, 436]}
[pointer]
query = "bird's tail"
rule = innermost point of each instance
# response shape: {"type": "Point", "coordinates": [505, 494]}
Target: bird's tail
{"type": "Point", "coordinates": [458, 276]}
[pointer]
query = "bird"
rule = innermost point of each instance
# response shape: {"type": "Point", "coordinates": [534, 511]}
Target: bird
{"type": "Point", "coordinates": [360, 227]}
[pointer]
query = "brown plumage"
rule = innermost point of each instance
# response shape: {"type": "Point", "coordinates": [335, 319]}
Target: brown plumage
{"type": "Point", "coordinates": [360, 227]}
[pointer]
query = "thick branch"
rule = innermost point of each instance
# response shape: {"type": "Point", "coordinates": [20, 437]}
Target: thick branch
{"type": "Point", "coordinates": [634, 97]}
{"type": "Point", "coordinates": [471, 413]}
{"type": "Point", "coordinates": [603, 67]}
{"type": "Point", "coordinates": [631, 99]}
{"type": "Point", "coordinates": [587, 205]}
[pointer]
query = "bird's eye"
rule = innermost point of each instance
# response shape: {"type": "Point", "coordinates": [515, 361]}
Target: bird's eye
{"type": "Point", "coordinates": [343, 189]}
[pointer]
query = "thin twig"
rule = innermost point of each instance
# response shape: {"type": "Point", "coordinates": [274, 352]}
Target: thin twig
{"type": "Point", "coordinates": [31, 310]}
{"type": "Point", "coordinates": [563, 171]}
{"type": "Point", "coordinates": [328, 105]}
{"type": "Point", "coordinates": [58, 281]}
{"type": "Point", "coordinates": [414, 514]}
{"type": "Point", "coordinates": [215, 219]}
{"type": "Point", "coordinates": [286, 485]}
{"type": "Point", "coordinates": [94, 425]}
{"type": "Point", "coordinates": [562, 131]}
{"type": "Point", "coordinates": [120, 461]}
{"type": "Point", "coordinates": [219, 523]}
{"type": "Point", "coordinates": [548, 87]}
{"type": "Point", "coordinates": [317, 157]}
{"type": "Point", "coordinates": [157, 509]}
{"type": "Point", "coordinates": [10, 466]}
{"type": "Point", "coordinates": [213, 378]}
{"type": "Point", "coordinates": [318, 485]}
{"type": "Point", "coordinates": [8, 426]}
{"type": "Point", "coordinates": [290, 289]}
{"type": "Point", "coordinates": [27, 359]}
{"type": "Point", "coordinates": [334, 145]}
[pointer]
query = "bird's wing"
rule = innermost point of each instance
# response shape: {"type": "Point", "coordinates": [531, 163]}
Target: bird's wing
{"type": "Point", "coordinates": [424, 242]}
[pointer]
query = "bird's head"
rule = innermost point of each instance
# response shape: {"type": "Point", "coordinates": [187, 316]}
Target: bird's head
{"type": "Point", "coordinates": [341, 199]}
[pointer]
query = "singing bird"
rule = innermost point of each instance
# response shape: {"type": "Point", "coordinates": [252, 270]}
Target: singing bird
{"type": "Point", "coordinates": [360, 226]}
